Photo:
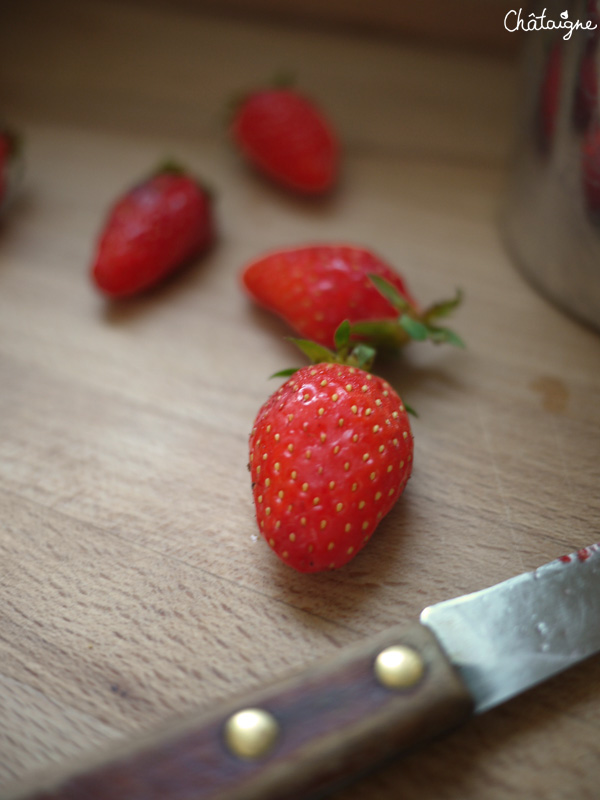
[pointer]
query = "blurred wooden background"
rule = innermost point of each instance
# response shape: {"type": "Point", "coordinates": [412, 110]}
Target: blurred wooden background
{"type": "Point", "coordinates": [477, 24]}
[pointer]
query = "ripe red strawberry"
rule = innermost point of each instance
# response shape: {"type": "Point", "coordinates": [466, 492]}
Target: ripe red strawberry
{"type": "Point", "coordinates": [330, 453]}
{"type": "Point", "coordinates": [315, 288]}
{"type": "Point", "coordinates": [288, 138]}
{"type": "Point", "coordinates": [151, 231]}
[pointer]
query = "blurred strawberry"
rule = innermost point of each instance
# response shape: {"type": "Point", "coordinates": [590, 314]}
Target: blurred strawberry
{"type": "Point", "coordinates": [316, 287]}
{"type": "Point", "coordinates": [151, 231]}
{"type": "Point", "coordinates": [284, 135]}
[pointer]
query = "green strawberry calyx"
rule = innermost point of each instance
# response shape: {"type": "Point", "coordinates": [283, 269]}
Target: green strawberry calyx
{"type": "Point", "coordinates": [282, 79]}
{"type": "Point", "coordinates": [355, 354]}
{"type": "Point", "coordinates": [352, 354]}
{"type": "Point", "coordinates": [169, 166]}
{"type": "Point", "coordinates": [411, 324]}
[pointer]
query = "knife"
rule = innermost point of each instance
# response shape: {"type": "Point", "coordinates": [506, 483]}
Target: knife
{"type": "Point", "coordinates": [394, 691]}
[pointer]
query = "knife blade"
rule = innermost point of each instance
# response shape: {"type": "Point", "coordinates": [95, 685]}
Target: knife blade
{"type": "Point", "coordinates": [305, 734]}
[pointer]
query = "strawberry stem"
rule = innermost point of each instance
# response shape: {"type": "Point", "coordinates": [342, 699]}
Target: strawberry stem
{"type": "Point", "coordinates": [171, 166]}
{"type": "Point", "coordinates": [284, 79]}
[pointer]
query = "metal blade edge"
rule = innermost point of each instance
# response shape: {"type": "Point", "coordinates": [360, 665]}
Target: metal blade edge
{"type": "Point", "coordinates": [509, 637]}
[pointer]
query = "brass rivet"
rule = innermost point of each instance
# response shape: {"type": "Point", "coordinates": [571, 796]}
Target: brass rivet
{"type": "Point", "coordinates": [251, 733]}
{"type": "Point", "coordinates": [399, 667]}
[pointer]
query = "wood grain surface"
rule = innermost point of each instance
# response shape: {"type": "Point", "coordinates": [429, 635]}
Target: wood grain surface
{"type": "Point", "coordinates": [465, 23]}
{"type": "Point", "coordinates": [133, 583]}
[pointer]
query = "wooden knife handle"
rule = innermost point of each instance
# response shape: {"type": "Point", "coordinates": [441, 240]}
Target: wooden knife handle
{"type": "Point", "coordinates": [327, 724]}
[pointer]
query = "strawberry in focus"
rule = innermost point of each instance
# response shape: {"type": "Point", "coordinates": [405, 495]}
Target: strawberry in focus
{"type": "Point", "coordinates": [316, 287]}
{"type": "Point", "coordinates": [151, 231]}
{"type": "Point", "coordinates": [284, 135]}
{"type": "Point", "coordinates": [330, 453]}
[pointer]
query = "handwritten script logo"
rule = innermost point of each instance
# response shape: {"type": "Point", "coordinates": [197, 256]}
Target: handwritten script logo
{"type": "Point", "coordinates": [514, 21]}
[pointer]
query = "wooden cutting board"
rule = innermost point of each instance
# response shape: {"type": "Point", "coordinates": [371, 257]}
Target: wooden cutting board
{"type": "Point", "coordinates": [133, 582]}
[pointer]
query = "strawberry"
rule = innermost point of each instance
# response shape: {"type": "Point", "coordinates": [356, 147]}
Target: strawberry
{"type": "Point", "coordinates": [284, 135]}
{"type": "Point", "coordinates": [330, 454]}
{"type": "Point", "coordinates": [151, 231]}
{"type": "Point", "coordinates": [315, 288]}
